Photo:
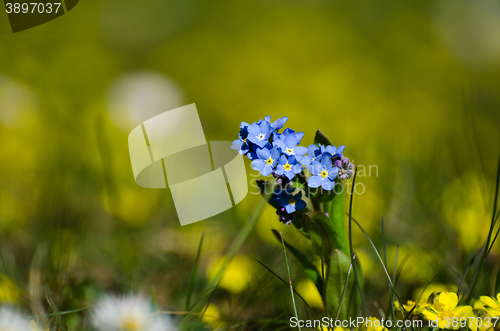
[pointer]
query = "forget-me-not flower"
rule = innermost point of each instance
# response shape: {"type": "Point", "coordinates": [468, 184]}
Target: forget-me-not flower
{"type": "Point", "coordinates": [276, 125]}
{"type": "Point", "coordinates": [289, 201]}
{"type": "Point", "coordinates": [323, 173]}
{"type": "Point", "coordinates": [288, 166]}
{"type": "Point", "coordinates": [242, 145]}
{"type": "Point", "coordinates": [313, 152]}
{"type": "Point", "coordinates": [267, 160]}
{"type": "Point", "coordinates": [333, 151]}
{"type": "Point", "coordinates": [288, 144]}
{"type": "Point", "coordinates": [259, 133]}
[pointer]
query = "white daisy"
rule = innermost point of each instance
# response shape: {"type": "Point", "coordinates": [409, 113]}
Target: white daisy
{"type": "Point", "coordinates": [10, 320]}
{"type": "Point", "coordinates": [128, 313]}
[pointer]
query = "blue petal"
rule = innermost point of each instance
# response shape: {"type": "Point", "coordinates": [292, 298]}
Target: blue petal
{"type": "Point", "coordinates": [292, 159]}
{"type": "Point", "coordinates": [311, 150]}
{"type": "Point", "coordinates": [275, 153]}
{"type": "Point", "coordinates": [282, 201]}
{"type": "Point", "coordinates": [315, 168]}
{"type": "Point", "coordinates": [314, 181]}
{"type": "Point", "coordinates": [254, 129]}
{"type": "Point", "coordinates": [283, 160]}
{"type": "Point", "coordinates": [278, 124]}
{"type": "Point", "coordinates": [268, 118]}
{"type": "Point", "coordinates": [340, 150]}
{"type": "Point", "coordinates": [290, 208]}
{"type": "Point", "coordinates": [297, 168]}
{"type": "Point", "coordinates": [280, 170]}
{"type": "Point", "coordinates": [306, 160]}
{"type": "Point", "coordinates": [260, 143]}
{"type": "Point", "coordinates": [331, 149]}
{"type": "Point", "coordinates": [253, 138]}
{"type": "Point", "coordinates": [300, 205]}
{"type": "Point", "coordinates": [289, 175]}
{"type": "Point", "coordinates": [280, 144]}
{"type": "Point", "coordinates": [278, 136]}
{"type": "Point", "coordinates": [299, 135]}
{"type": "Point", "coordinates": [298, 196]}
{"type": "Point", "coordinates": [332, 174]}
{"type": "Point", "coordinates": [267, 170]}
{"type": "Point", "coordinates": [327, 184]}
{"type": "Point", "coordinates": [264, 127]}
{"type": "Point", "coordinates": [326, 161]}
{"type": "Point", "coordinates": [237, 144]}
{"type": "Point", "coordinates": [300, 150]}
{"type": "Point", "coordinates": [263, 153]}
{"type": "Point", "coordinates": [258, 165]}
{"type": "Point", "coordinates": [291, 141]}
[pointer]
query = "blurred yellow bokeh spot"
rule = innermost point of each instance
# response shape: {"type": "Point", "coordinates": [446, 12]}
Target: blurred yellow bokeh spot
{"type": "Point", "coordinates": [9, 292]}
{"type": "Point", "coordinates": [212, 316]}
{"type": "Point", "coordinates": [310, 293]}
{"type": "Point", "coordinates": [237, 274]}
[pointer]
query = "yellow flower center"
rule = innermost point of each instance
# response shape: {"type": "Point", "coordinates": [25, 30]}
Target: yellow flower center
{"type": "Point", "coordinates": [287, 167]}
{"type": "Point", "coordinates": [291, 202]}
{"type": "Point", "coordinates": [289, 151]}
{"type": "Point", "coordinates": [324, 173]}
{"type": "Point", "coordinates": [269, 161]}
{"type": "Point", "coordinates": [130, 324]}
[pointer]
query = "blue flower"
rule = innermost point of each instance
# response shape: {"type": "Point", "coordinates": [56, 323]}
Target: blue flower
{"type": "Point", "coordinates": [313, 152]}
{"type": "Point", "coordinates": [288, 143]}
{"type": "Point", "coordinates": [259, 133]}
{"type": "Point", "coordinates": [290, 202]}
{"type": "Point", "coordinates": [333, 151]}
{"type": "Point", "coordinates": [242, 145]}
{"type": "Point", "coordinates": [276, 125]}
{"type": "Point", "coordinates": [252, 153]}
{"type": "Point", "coordinates": [267, 160]}
{"type": "Point", "coordinates": [324, 173]}
{"type": "Point", "coordinates": [288, 167]}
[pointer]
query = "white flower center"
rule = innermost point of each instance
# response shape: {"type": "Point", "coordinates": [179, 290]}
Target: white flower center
{"type": "Point", "coordinates": [261, 136]}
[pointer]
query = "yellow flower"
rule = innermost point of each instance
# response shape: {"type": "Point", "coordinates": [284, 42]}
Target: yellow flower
{"type": "Point", "coordinates": [373, 324]}
{"type": "Point", "coordinates": [491, 305]}
{"type": "Point", "coordinates": [410, 304]}
{"type": "Point", "coordinates": [446, 313]}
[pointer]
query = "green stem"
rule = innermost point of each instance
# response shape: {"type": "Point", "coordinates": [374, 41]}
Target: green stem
{"type": "Point", "coordinates": [336, 212]}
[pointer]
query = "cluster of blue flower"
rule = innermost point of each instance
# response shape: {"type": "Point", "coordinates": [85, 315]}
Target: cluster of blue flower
{"type": "Point", "coordinates": [279, 154]}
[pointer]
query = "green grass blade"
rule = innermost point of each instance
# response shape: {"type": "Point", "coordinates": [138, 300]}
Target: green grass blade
{"type": "Point", "coordinates": [193, 273]}
{"type": "Point", "coordinates": [233, 249]}
{"type": "Point", "coordinates": [290, 280]}
{"type": "Point", "coordinates": [308, 266]}
{"type": "Point", "coordinates": [354, 269]}
{"type": "Point", "coordinates": [496, 234]}
{"type": "Point", "coordinates": [486, 247]}
{"type": "Point", "coordinates": [391, 306]}
{"type": "Point", "coordinates": [284, 282]}
{"type": "Point", "coordinates": [382, 263]}
{"type": "Point", "coordinates": [344, 290]}
{"type": "Point", "coordinates": [59, 313]}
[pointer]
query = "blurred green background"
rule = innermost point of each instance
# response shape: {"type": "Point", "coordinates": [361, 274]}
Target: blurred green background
{"type": "Point", "coordinates": [411, 88]}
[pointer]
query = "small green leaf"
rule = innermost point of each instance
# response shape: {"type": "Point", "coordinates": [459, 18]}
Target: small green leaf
{"type": "Point", "coordinates": [308, 266]}
{"type": "Point", "coordinates": [321, 228]}
{"type": "Point", "coordinates": [321, 139]}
